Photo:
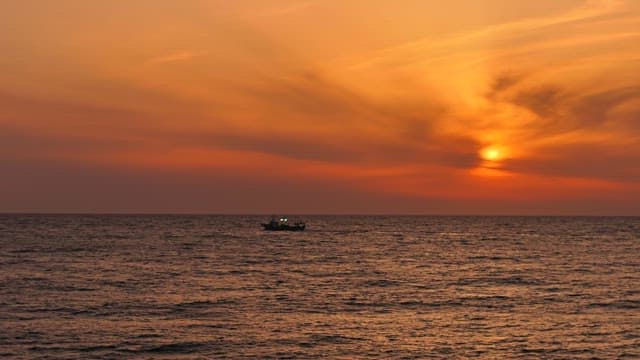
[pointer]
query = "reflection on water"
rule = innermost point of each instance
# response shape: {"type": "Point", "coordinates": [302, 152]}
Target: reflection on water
{"type": "Point", "coordinates": [348, 287]}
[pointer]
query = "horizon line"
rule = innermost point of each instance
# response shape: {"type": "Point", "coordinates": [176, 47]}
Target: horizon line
{"type": "Point", "coordinates": [2, 213]}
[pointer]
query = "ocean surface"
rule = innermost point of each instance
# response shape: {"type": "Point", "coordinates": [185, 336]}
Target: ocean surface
{"type": "Point", "coordinates": [350, 287]}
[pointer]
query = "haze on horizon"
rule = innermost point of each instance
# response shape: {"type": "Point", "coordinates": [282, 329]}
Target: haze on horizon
{"type": "Point", "coordinates": [456, 107]}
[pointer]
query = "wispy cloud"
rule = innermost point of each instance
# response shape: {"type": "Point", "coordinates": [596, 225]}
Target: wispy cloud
{"type": "Point", "coordinates": [418, 50]}
{"type": "Point", "coordinates": [282, 10]}
{"type": "Point", "coordinates": [177, 56]}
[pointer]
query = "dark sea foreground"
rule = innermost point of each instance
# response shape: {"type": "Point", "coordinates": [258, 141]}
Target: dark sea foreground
{"type": "Point", "coordinates": [214, 287]}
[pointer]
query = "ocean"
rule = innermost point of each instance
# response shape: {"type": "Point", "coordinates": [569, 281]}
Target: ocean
{"type": "Point", "coordinates": [349, 287]}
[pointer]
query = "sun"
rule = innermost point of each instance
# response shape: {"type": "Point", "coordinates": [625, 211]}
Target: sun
{"type": "Point", "coordinates": [492, 153]}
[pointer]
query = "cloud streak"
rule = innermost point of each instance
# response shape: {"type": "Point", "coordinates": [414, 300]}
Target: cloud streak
{"type": "Point", "coordinates": [177, 56]}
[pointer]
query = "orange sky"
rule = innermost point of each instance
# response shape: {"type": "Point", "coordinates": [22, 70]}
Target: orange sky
{"type": "Point", "coordinates": [320, 106]}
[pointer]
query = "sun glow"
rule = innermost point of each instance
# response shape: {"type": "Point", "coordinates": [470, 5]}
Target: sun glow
{"type": "Point", "coordinates": [492, 153]}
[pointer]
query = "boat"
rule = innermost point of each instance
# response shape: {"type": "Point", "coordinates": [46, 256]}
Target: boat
{"type": "Point", "coordinates": [282, 224]}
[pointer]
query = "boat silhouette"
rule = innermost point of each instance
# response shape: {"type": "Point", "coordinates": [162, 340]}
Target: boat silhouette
{"type": "Point", "coordinates": [282, 224]}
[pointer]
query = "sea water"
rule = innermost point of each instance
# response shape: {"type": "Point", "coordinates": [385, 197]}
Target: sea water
{"type": "Point", "coordinates": [216, 287]}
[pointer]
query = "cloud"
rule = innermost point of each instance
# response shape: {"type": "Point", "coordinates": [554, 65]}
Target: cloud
{"type": "Point", "coordinates": [543, 101]}
{"type": "Point", "coordinates": [587, 160]}
{"type": "Point", "coordinates": [337, 123]}
{"type": "Point", "coordinates": [466, 43]}
{"type": "Point", "coordinates": [595, 109]}
{"type": "Point", "coordinates": [287, 9]}
{"type": "Point", "coordinates": [177, 56]}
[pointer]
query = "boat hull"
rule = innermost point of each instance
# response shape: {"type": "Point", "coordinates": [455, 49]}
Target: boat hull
{"type": "Point", "coordinates": [283, 227]}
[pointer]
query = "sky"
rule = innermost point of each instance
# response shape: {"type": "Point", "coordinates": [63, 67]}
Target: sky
{"type": "Point", "coordinates": [320, 106]}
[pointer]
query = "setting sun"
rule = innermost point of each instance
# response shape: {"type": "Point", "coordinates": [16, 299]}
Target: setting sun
{"type": "Point", "coordinates": [492, 154]}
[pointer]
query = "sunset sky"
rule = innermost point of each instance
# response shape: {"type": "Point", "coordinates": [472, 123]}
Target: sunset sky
{"type": "Point", "coordinates": [345, 106]}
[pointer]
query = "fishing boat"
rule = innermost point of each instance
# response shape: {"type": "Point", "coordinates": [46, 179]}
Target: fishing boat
{"type": "Point", "coordinates": [282, 224]}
